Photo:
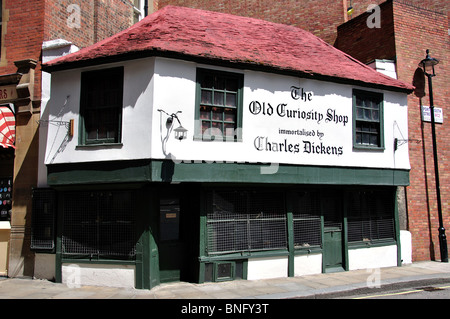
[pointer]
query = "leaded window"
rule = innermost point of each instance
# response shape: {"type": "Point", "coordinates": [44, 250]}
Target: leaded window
{"type": "Point", "coordinates": [101, 106]}
{"type": "Point", "coordinates": [368, 119]}
{"type": "Point", "coordinates": [219, 105]}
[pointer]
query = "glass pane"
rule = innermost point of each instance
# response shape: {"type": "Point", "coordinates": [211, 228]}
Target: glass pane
{"type": "Point", "coordinates": [207, 81]}
{"type": "Point", "coordinates": [219, 83]}
{"type": "Point", "coordinates": [232, 85]}
{"type": "Point", "coordinates": [230, 115]}
{"type": "Point", "coordinates": [206, 97]}
{"type": "Point", "coordinates": [359, 113]}
{"type": "Point", "coordinates": [365, 138]}
{"type": "Point", "coordinates": [375, 115]}
{"type": "Point", "coordinates": [367, 114]}
{"type": "Point", "coordinates": [216, 129]}
{"type": "Point", "coordinates": [205, 112]}
{"type": "Point", "coordinates": [217, 114]}
{"type": "Point", "coordinates": [374, 139]}
{"type": "Point", "coordinates": [231, 99]}
{"type": "Point", "coordinates": [219, 98]}
{"type": "Point", "coordinates": [229, 129]}
{"type": "Point", "coordinates": [205, 127]}
{"type": "Point", "coordinates": [359, 101]}
{"type": "Point", "coordinates": [365, 128]}
{"type": "Point", "coordinates": [374, 128]}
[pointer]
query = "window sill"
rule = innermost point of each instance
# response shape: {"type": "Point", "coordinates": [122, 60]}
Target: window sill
{"type": "Point", "coordinates": [100, 145]}
{"type": "Point", "coordinates": [220, 140]}
{"type": "Point", "coordinates": [368, 148]}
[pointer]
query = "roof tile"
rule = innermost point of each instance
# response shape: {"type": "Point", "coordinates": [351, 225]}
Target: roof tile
{"type": "Point", "coordinates": [225, 37]}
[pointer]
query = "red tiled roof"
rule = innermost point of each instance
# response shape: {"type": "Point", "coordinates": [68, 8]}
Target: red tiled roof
{"type": "Point", "coordinates": [245, 41]}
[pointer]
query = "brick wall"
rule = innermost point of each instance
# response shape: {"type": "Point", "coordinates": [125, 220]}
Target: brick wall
{"type": "Point", "coordinates": [23, 28]}
{"type": "Point", "coordinates": [418, 29]}
{"type": "Point", "coordinates": [98, 19]}
{"type": "Point", "coordinates": [321, 17]}
{"type": "Point", "coordinates": [357, 38]}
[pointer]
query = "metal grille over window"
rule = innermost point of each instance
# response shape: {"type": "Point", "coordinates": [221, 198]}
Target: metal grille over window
{"type": "Point", "coordinates": [246, 221]}
{"type": "Point", "coordinates": [43, 219]}
{"type": "Point", "coordinates": [306, 218]}
{"type": "Point", "coordinates": [371, 216]}
{"type": "Point", "coordinates": [99, 225]}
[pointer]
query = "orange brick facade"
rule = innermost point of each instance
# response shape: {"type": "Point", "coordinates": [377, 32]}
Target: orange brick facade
{"type": "Point", "coordinates": [26, 24]}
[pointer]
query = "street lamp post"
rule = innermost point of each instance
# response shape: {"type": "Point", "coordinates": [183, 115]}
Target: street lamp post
{"type": "Point", "coordinates": [428, 67]}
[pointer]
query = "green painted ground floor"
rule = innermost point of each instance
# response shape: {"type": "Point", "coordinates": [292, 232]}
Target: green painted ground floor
{"type": "Point", "coordinates": [214, 227]}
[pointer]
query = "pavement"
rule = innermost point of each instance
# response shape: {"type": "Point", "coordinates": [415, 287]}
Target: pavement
{"type": "Point", "coordinates": [319, 286]}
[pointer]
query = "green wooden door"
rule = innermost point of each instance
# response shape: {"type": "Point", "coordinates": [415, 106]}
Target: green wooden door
{"type": "Point", "coordinates": [332, 234]}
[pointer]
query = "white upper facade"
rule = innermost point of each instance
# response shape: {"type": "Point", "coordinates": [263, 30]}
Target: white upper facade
{"type": "Point", "coordinates": [282, 119]}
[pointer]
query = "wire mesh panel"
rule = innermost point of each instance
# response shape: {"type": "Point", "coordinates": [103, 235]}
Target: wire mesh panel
{"type": "Point", "coordinates": [306, 218]}
{"type": "Point", "coordinates": [371, 216]}
{"type": "Point", "coordinates": [43, 219]}
{"type": "Point", "coordinates": [99, 225]}
{"type": "Point", "coordinates": [246, 221]}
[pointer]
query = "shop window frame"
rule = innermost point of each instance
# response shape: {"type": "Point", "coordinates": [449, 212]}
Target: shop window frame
{"type": "Point", "coordinates": [361, 124]}
{"type": "Point", "coordinates": [92, 81]}
{"type": "Point", "coordinates": [212, 107]}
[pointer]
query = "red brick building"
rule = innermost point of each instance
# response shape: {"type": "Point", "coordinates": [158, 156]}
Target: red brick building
{"type": "Point", "coordinates": [25, 26]}
{"type": "Point", "coordinates": [406, 32]}
{"type": "Point", "coordinates": [407, 29]}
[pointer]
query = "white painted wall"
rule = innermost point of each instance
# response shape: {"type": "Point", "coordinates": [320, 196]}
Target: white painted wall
{"type": "Point", "coordinates": [375, 257]}
{"type": "Point", "coordinates": [266, 268]}
{"type": "Point", "coordinates": [77, 275]}
{"type": "Point", "coordinates": [167, 84]}
{"type": "Point", "coordinates": [406, 246]}
{"type": "Point", "coordinates": [310, 264]}
{"type": "Point", "coordinates": [137, 116]}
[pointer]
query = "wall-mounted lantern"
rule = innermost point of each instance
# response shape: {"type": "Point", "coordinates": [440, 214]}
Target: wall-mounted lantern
{"type": "Point", "coordinates": [180, 132]}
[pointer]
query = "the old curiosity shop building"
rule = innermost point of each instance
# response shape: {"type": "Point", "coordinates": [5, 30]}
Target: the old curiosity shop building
{"type": "Point", "coordinates": [202, 146]}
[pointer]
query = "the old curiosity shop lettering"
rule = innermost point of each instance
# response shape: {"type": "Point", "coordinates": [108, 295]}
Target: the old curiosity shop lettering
{"type": "Point", "coordinates": [303, 113]}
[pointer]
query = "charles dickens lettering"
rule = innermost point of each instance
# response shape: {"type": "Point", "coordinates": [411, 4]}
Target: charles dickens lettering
{"type": "Point", "coordinates": [305, 128]}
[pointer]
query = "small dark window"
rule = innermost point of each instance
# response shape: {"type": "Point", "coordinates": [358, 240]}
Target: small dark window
{"type": "Point", "coordinates": [101, 106]}
{"type": "Point", "coordinates": [368, 119]}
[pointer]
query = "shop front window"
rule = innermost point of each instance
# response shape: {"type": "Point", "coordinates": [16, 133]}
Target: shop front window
{"type": "Point", "coordinates": [99, 225]}
{"type": "Point", "coordinates": [246, 221]}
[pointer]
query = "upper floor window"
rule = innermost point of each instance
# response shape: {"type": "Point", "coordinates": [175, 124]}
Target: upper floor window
{"type": "Point", "coordinates": [101, 106]}
{"type": "Point", "coordinates": [219, 105]}
{"type": "Point", "coordinates": [138, 14]}
{"type": "Point", "coordinates": [368, 119]}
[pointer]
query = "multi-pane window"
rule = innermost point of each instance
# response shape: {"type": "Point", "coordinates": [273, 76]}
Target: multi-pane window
{"type": "Point", "coordinates": [101, 106]}
{"type": "Point", "coordinates": [368, 123]}
{"type": "Point", "coordinates": [219, 110]}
